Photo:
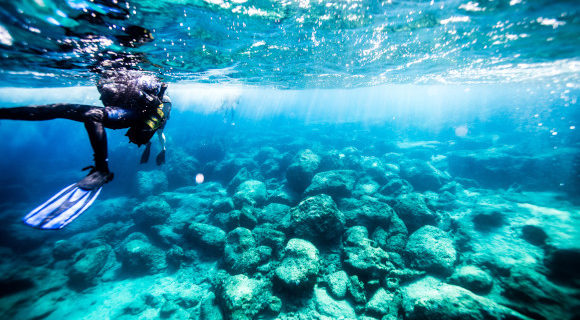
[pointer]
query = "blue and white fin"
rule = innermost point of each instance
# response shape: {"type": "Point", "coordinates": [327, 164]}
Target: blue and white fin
{"type": "Point", "coordinates": [62, 208]}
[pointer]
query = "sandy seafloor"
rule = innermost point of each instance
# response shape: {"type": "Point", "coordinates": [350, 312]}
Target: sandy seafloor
{"type": "Point", "coordinates": [309, 222]}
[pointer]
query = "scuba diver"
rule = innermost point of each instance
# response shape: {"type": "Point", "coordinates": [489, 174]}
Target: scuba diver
{"type": "Point", "coordinates": [131, 99]}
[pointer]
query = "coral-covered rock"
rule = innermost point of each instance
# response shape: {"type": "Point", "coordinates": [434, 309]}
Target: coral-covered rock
{"type": "Point", "coordinates": [242, 297]}
{"type": "Point", "coordinates": [431, 249]}
{"type": "Point", "coordinates": [394, 237]}
{"type": "Point", "coordinates": [429, 298]}
{"type": "Point", "coordinates": [65, 249]}
{"type": "Point", "coordinates": [472, 278]}
{"type": "Point", "coordinates": [181, 167]}
{"type": "Point", "coordinates": [336, 183]}
{"type": "Point", "coordinates": [87, 264]}
{"type": "Point", "coordinates": [300, 172]}
{"type": "Point", "coordinates": [266, 235]}
{"type": "Point", "coordinates": [396, 187]}
{"type": "Point", "coordinates": [361, 257]}
{"type": "Point", "coordinates": [240, 253]}
{"type": "Point", "coordinates": [413, 210]}
{"type": "Point", "coordinates": [317, 219]}
{"type": "Point", "coordinates": [284, 195]}
{"type": "Point", "coordinates": [338, 284]}
{"type": "Point", "coordinates": [207, 236]}
{"type": "Point", "coordinates": [243, 175]}
{"type": "Point", "coordinates": [423, 175]}
{"type": "Point", "coordinates": [299, 267]}
{"type": "Point", "coordinates": [368, 212]}
{"type": "Point", "coordinates": [222, 205]}
{"type": "Point", "coordinates": [151, 182]}
{"type": "Point", "coordinates": [274, 213]}
{"type": "Point", "coordinates": [251, 192]}
{"type": "Point", "coordinates": [141, 257]}
{"type": "Point", "coordinates": [382, 303]}
{"type": "Point", "coordinates": [376, 169]}
{"type": "Point", "coordinates": [356, 290]}
{"type": "Point", "coordinates": [331, 308]}
{"type": "Point", "coordinates": [208, 308]}
{"type": "Point", "coordinates": [151, 212]}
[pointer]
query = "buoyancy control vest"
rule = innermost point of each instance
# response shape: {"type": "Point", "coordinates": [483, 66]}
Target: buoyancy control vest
{"type": "Point", "coordinates": [153, 118]}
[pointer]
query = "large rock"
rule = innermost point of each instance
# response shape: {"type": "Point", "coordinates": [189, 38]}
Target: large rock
{"type": "Point", "coordinates": [243, 298]}
{"type": "Point", "coordinates": [302, 169]}
{"type": "Point", "coordinates": [299, 267]}
{"type": "Point", "coordinates": [429, 298]}
{"type": "Point", "coordinates": [181, 167]}
{"type": "Point", "coordinates": [394, 237]}
{"type": "Point", "coordinates": [329, 307]}
{"type": "Point", "coordinates": [243, 175]}
{"type": "Point", "coordinates": [412, 209]}
{"type": "Point", "coordinates": [284, 195]}
{"type": "Point", "coordinates": [396, 187]}
{"type": "Point", "coordinates": [141, 257]}
{"type": "Point", "coordinates": [151, 182]}
{"type": "Point", "coordinates": [267, 153]}
{"type": "Point", "coordinates": [382, 303]}
{"type": "Point", "coordinates": [472, 278]}
{"type": "Point", "coordinates": [229, 167]}
{"type": "Point", "coordinates": [240, 253]}
{"type": "Point", "coordinates": [251, 192]}
{"type": "Point", "coordinates": [338, 284]}
{"type": "Point", "coordinates": [365, 186]}
{"type": "Point", "coordinates": [266, 235]}
{"type": "Point", "coordinates": [87, 265]}
{"type": "Point", "coordinates": [317, 219]}
{"type": "Point", "coordinates": [65, 249]}
{"type": "Point", "coordinates": [368, 212]}
{"type": "Point", "coordinates": [222, 205]}
{"type": "Point", "coordinates": [361, 257]}
{"type": "Point", "coordinates": [208, 309]}
{"type": "Point", "coordinates": [207, 236]}
{"type": "Point", "coordinates": [274, 213]}
{"type": "Point", "coordinates": [431, 249]}
{"type": "Point", "coordinates": [423, 175]}
{"type": "Point", "coordinates": [336, 183]}
{"type": "Point", "coordinates": [151, 212]}
{"type": "Point", "coordinates": [376, 169]}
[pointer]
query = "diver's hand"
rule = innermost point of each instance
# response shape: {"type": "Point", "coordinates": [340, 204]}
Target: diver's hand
{"type": "Point", "coordinates": [160, 158]}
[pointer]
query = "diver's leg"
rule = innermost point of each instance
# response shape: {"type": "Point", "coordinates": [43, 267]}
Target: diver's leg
{"type": "Point", "coordinates": [74, 112]}
{"type": "Point", "coordinates": [98, 137]}
{"type": "Point", "coordinates": [94, 123]}
{"type": "Point", "coordinates": [93, 118]}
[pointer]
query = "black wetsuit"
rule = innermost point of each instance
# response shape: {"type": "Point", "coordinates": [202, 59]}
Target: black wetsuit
{"type": "Point", "coordinates": [139, 99]}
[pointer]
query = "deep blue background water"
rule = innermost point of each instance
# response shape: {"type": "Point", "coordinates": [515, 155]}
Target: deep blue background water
{"type": "Point", "coordinates": [40, 157]}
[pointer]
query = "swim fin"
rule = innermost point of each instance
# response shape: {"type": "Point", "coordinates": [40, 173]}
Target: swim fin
{"type": "Point", "coordinates": [145, 155]}
{"type": "Point", "coordinates": [62, 208]}
{"type": "Point", "coordinates": [69, 203]}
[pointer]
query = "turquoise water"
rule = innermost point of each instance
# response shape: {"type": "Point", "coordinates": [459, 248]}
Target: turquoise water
{"type": "Point", "coordinates": [325, 160]}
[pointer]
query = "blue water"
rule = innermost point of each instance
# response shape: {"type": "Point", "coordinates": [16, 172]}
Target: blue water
{"type": "Point", "coordinates": [473, 105]}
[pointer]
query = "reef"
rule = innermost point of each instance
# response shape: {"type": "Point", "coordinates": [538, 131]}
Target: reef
{"type": "Point", "coordinates": [318, 226]}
